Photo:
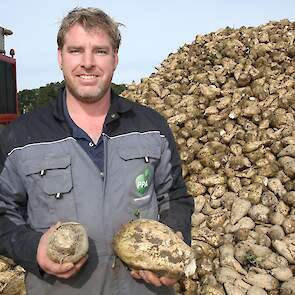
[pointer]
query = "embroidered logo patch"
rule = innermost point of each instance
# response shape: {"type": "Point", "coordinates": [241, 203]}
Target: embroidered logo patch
{"type": "Point", "coordinates": [142, 181]}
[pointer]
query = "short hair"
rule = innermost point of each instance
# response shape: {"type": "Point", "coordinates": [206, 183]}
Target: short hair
{"type": "Point", "coordinates": [91, 19]}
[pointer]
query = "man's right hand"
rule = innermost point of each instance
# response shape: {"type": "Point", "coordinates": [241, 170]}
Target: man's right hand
{"type": "Point", "coordinates": [63, 270]}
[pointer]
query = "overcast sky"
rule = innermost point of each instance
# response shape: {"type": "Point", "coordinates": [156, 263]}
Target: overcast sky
{"type": "Point", "coordinates": [153, 29]}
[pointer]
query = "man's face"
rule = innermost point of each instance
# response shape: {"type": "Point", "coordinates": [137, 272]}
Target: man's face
{"type": "Point", "coordinates": [88, 62]}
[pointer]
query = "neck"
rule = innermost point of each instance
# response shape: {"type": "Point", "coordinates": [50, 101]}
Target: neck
{"type": "Point", "coordinates": [92, 110]}
{"type": "Point", "coordinates": [89, 116]}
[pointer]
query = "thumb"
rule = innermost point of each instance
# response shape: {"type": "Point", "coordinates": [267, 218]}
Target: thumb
{"type": "Point", "coordinates": [55, 226]}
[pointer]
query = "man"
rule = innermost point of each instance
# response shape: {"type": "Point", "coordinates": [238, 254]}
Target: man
{"type": "Point", "coordinates": [91, 157]}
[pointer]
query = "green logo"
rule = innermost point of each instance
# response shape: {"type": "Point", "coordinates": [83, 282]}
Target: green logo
{"type": "Point", "coordinates": [142, 181]}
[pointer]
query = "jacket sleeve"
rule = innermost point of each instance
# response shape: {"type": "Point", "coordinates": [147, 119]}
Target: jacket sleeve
{"type": "Point", "coordinates": [17, 240]}
{"type": "Point", "coordinates": [175, 204]}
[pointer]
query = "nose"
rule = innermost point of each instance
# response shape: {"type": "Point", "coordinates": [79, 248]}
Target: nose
{"type": "Point", "coordinates": [88, 60]}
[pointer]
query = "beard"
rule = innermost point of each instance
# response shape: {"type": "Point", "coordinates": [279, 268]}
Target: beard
{"type": "Point", "coordinates": [88, 94]}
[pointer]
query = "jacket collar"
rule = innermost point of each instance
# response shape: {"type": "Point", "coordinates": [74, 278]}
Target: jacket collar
{"type": "Point", "coordinates": [118, 106]}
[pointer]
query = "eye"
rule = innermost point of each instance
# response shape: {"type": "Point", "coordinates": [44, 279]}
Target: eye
{"type": "Point", "coordinates": [101, 51]}
{"type": "Point", "coordinates": [74, 50]}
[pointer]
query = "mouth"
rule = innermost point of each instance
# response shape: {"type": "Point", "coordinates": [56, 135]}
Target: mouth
{"type": "Point", "coordinates": [88, 78]}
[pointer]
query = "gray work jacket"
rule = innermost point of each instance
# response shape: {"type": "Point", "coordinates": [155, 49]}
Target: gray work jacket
{"type": "Point", "coordinates": [45, 177]}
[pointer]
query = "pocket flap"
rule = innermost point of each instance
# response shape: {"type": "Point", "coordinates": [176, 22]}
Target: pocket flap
{"type": "Point", "coordinates": [36, 166]}
{"type": "Point", "coordinates": [58, 183]}
{"type": "Point", "coordinates": [135, 153]}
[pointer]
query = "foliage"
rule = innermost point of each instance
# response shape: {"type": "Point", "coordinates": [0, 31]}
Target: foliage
{"type": "Point", "coordinates": [118, 88]}
{"type": "Point", "coordinates": [29, 99]}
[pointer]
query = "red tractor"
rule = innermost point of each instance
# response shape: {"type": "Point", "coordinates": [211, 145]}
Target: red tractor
{"type": "Point", "coordinates": [8, 91]}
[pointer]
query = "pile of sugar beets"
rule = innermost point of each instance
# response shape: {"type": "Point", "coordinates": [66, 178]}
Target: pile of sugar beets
{"type": "Point", "coordinates": [229, 98]}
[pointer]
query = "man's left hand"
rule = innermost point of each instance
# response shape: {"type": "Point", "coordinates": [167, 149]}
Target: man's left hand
{"type": "Point", "coordinates": [151, 278]}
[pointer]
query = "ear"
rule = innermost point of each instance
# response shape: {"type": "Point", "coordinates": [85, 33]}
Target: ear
{"type": "Point", "coordinates": [59, 58]}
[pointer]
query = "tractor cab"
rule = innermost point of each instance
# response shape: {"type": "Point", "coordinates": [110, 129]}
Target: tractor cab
{"type": "Point", "coordinates": [8, 91]}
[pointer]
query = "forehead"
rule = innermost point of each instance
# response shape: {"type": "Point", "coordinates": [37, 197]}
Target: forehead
{"type": "Point", "coordinates": [78, 35]}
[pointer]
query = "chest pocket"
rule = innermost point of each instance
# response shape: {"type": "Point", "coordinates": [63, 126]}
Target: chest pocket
{"type": "Point", "coordinates": [50, 190]}
{"type": "Point", "coordinates": [132, 153]}
{"type": "Point", "coordinates": [140, 165]}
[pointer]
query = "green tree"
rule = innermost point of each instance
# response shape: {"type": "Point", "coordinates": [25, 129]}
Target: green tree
{"type": "Point", "coordinates": [29, 99]}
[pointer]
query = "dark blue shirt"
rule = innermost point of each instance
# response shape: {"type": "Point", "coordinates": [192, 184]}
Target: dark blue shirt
{"type": "Point", "coordinates": [95, 151]}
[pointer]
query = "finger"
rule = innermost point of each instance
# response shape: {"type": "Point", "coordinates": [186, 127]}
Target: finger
{"type": "Point", "coordinates": [167, 281]}
{"type": "Point", "coordinates": [143, 275]}
{"type": "Point", "coordinates": [81, 262]}
{"type": "Point", "coordinates": [72, 272]}
{"type": "Point", "coordinates": [74, 269]}
{"type": "Point", "coordinates": [55, 226]}
{"type": "Point", "coordinates": [150, 278]}
{"type": "Point", "coordinates": [67, 274]}
{"type": "Point", "coordinates": [56, 268]}
{"type": "Point", "coordinates": [135, 274]}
